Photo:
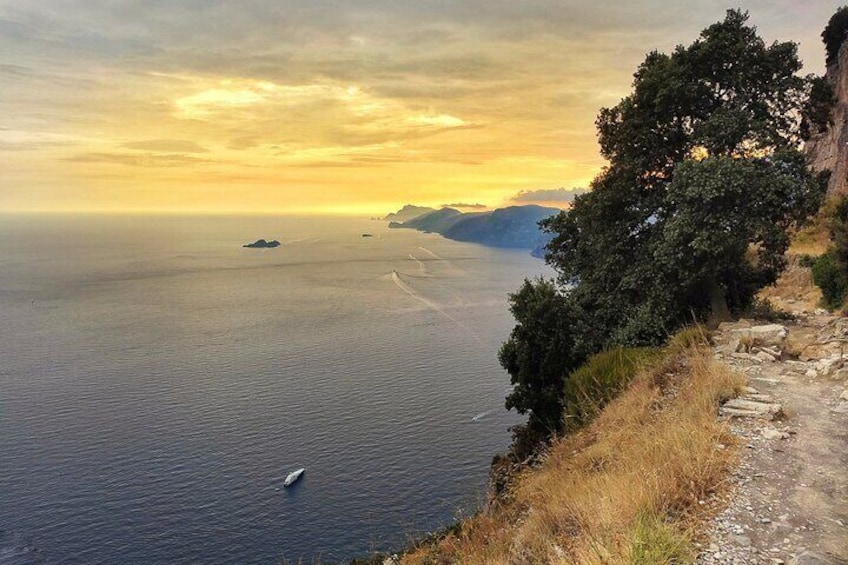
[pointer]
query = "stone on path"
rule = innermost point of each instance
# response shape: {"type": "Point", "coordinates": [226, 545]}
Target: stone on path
{"type": "Point", "coordinates": [745, 408]}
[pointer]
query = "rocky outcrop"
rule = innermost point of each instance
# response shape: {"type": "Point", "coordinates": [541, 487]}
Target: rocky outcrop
{"type": "Point", "coordinates": [828, 150]}
{"type": "Point", "coordinates": [262, 244]}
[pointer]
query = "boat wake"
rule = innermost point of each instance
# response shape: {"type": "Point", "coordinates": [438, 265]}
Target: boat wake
{"type": "Point", "coordinates": [421, 267]}
{"type": "Point", "coordinates": [433, 255]}
{"type": "Point", "coordinates": [445, 262]}
{"type": "Point", "coordinates": [401, 284]}
{"type": "Point", "coordinates": [481, 415]}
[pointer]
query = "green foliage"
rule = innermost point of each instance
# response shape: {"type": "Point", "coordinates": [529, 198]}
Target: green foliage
{"type": "Point", "coordinates": [588, 389]}
{"type": "Point", "coordinates": [807, 261]}
{"type": "Point", "coordinates": [830, 270]}
{"type": "Point", "coordinates": [830, 276]}
{"type": "Point", "coordinates": [837, 223]}
{"type": "Point", "coordinates": [657, 543]}
{"type": "Point", "coordinates": [716, 210]}
{"type": "Point", "coordinates": [539, 354]}
{"type": "Point", "coordinates": [664, 237]}
{"type": "Point", "coordinates": [834, 33]}
{"type": "Point", "coordinates": [728, 93]}
{"type": "Point", "coordinates": [763, 309]}
{"type": "Point", "coordinates": [689, 220]}
{"type": "Point", "coordinates": [817, 112]}
{"type": "Point", "coordinates": [687, 338]}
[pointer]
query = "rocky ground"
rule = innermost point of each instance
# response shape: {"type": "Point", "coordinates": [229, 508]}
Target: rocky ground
{"type": "Point", "coordinates": [788, 502]}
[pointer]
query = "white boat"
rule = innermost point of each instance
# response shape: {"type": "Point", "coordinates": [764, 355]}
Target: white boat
{"type": "Point", "coordinates": [292, 477]}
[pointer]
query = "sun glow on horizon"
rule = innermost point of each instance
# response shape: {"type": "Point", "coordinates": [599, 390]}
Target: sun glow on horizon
{"type": "Point", "coordinates": [132, 111]}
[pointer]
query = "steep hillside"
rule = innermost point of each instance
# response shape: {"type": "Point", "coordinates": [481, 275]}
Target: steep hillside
{"type": "Point", "coordinates": [513, 227]}
{"type": "Point", "coordinates": [516, 226]}
{"type": "Point", "coordinates": [828, 149]}
{"type": "Point", "coordinates": [438, 221]}
{"type": "Point", "coordinates": [625, 490]}
{"type": "Point", "coordinates": [408, 212]}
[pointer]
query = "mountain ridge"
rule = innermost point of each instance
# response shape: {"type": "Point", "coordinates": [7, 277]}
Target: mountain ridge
{"type": "Point", "coordinates": [513, 227]}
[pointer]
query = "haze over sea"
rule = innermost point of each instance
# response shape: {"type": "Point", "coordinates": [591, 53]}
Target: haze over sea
{"type": "Point", "coordinates": [158, 381]}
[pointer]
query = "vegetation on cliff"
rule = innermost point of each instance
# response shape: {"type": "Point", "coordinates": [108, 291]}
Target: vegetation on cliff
{"type": "Point", "coordinates": [834, 34]}
{"type": "Point", "coordinates": [830, 269]}
{"type": "Point", "coordinates": [624, 489]}
{"type": "Point", "coordinates": [688, 222]}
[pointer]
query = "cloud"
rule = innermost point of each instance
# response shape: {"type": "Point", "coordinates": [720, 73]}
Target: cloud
{"type": "Point", "coordinates": [19, 140]}
{"type": "Point", "coordinates": [465, 206]}
{"type": "Point", "coordinates": [323, 113]}
{"type": "Point", "coordinates": [166, 146]}
{"type": "Point", "coordinates": [549, 195]}
{"type": "Point", "coordinates": [335, 94]}
{"type": "Point", "coordinates": [136, 160]}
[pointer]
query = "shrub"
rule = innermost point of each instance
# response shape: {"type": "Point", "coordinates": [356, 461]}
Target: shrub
{"type": "Point", "coordinates": [599, 380]}
{"type": "Point", "coordinates": [830, 277]}
{"type": "Point", "coordinates": [658, 543]}
{"type": "Point", "coordinates": [688, 338]}
{"type": "Point", "coordinates": [763, 309]}
{"type": "Point", "coordinates": [830, 270]}
{"type": "Point", "coordinates": [807, 261]}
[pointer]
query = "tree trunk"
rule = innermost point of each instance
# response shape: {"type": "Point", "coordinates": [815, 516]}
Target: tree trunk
{"type": "Point", "coordinates": [718, 304]}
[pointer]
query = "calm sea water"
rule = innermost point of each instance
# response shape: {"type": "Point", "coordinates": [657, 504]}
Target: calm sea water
{"type": "Point", "coordinates": [158, 381]}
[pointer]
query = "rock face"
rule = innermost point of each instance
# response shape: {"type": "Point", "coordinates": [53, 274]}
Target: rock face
{"type": "Point", "coordinates": [828, 150]}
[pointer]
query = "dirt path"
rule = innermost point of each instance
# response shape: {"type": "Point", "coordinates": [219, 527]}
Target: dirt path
{"type": "Point", "coordinates": [789, 500]}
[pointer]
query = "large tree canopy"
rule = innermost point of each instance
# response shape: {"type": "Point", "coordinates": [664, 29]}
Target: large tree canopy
{"type": "Point", "coordinates": [690, 219]}
{"type": "Point", "coordinates": [726, 94]}
{"type": "Point", "coordinates": [704, 171]}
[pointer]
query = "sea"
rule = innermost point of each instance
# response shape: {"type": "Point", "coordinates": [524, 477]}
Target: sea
{"type": "Point", "coordinates": [158, 381]}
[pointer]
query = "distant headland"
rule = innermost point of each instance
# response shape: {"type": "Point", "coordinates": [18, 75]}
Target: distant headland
{"type": "Point", "coordinates": [515, 227]}
{"type": "Point", "coordinates": [408, 212]}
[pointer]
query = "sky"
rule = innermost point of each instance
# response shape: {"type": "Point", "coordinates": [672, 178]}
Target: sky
{"type": "Point", "coordinates": [328, 106]}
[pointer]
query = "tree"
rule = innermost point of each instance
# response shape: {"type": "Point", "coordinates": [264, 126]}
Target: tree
{"type": "Point", "coordinates": [834, 34]}
{"type": "Point", "coordinates": [726, 231]}
{"type": "Point", "coordinates": [646, 251]}
{"type": "Point", "coordinates": [726, 94]}
{"type": "Point", "coordinates": [539, 354]}
{"type": "Point", "coordinates": [688, 220]}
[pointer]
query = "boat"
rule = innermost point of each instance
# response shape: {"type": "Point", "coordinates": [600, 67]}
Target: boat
{"type": "Point", "coordinates": [292, 477]}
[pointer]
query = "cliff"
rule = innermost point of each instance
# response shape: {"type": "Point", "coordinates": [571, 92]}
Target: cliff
{"type": "Point", "coordinates": [408, 212]}
{"type": "Point", "coordinates": [514, 227]}
{"type": "Point", "coordinates": [828, 149]}
{"type": "Point", "coordinates": [436, 221]}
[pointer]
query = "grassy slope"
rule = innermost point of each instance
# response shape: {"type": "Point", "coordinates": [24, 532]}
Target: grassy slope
{"type": "Point", "coordinates": [624, 489]}
{"type": "Point", "coordinates": [795, 288]}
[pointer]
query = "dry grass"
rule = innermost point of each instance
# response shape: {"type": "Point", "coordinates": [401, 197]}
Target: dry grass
{"type": "Point", "coordinates": [622, 490]}
{"type": "Point", "coordinates": [813, 239]}
{"type": "Point", "coordinates": [794, 290]}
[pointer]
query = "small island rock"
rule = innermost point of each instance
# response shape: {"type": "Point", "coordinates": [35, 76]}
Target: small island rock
{"type": "Point", "coordinates": [262, 244]}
